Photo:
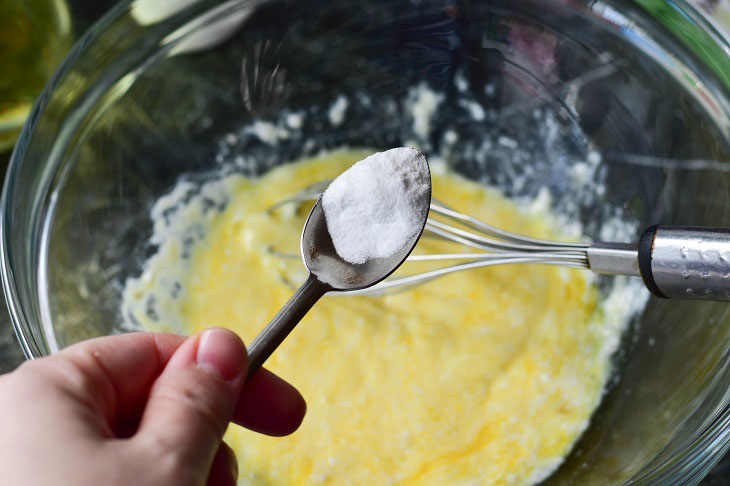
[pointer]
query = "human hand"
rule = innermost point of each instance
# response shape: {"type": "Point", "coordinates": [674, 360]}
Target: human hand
{"type": "Point", "coordinates": [139, 409]}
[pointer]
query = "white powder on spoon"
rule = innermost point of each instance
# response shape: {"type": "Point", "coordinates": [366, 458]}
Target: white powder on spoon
{"type": "Point", "coordinates": [375, 207]}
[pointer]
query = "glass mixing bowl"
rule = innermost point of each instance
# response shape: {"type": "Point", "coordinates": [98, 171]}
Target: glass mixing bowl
{"type": "Point", "coordinates": [157, 90]}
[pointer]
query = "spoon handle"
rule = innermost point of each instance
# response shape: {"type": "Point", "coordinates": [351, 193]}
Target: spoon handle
{"type": "Point", "coordinates": [284, 321]}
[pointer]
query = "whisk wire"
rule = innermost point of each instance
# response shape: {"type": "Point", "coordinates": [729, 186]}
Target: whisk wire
{"type": "Point", "coordinates": [498, 246]}
{"type": "Point", "coordinates": [476, 241]}
{"type": "Point", "coordinates": [489, 230]}
{"type": "Point", "coordinates": [404, 283]}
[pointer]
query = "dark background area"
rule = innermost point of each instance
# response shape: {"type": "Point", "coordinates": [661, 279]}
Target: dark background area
{"type": "Point", "coordinates": [85, 13]}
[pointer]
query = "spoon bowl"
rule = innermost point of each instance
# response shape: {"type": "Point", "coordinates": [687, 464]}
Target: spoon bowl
{"type": "Point", "coordinates": [322, 260]}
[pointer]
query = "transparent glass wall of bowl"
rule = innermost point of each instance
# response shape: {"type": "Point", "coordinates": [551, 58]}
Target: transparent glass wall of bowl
{"type": "Point", "coordinates": [717, 12]}
{"type": "Point", "coordinates": [146, 98]}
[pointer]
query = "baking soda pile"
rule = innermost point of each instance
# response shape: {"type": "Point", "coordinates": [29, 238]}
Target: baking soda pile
{"type": "Point", "coordinates": [378, 205]}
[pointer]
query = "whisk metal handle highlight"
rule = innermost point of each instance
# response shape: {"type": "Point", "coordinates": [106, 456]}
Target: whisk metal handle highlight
{"type": "Point", "coordinates": [614, 259]}
{"type": "Point", "coordinates": [686, 262]}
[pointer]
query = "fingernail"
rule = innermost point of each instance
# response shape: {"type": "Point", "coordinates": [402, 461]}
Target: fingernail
{"type": "Point", "coordinates": [221, 352]}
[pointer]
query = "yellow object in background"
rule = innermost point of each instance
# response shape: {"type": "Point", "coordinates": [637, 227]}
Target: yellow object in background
{"type": "Point", "coordinates": [35, 36]}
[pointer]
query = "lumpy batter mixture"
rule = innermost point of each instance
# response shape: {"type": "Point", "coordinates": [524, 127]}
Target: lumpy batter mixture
{"type": "Point", "coordinates": [485, 376]}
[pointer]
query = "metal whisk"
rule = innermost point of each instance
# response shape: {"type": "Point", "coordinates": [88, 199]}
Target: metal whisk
{"type": "Point", "coordinates": [674, 262]}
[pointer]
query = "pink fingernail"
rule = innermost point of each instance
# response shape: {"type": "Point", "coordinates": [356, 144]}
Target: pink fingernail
{"type": "Point", "coordinates": [221, 352]}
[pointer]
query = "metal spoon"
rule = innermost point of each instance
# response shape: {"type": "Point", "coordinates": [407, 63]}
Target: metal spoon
{"type": "Point", "coordinates": [327, 272]}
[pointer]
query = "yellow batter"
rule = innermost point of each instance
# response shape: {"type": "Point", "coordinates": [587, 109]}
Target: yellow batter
{"type": "Point", "coordinates": [482, 377]}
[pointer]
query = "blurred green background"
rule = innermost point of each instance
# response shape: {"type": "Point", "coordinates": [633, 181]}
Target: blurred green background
{"type": "Point", "coordinates": [35, 36]}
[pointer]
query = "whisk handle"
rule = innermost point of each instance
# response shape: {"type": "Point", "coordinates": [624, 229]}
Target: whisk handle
{"type": "Point", "coordinates": [686, 262]}
{"type": "Point", "coordinates": [613, 259]}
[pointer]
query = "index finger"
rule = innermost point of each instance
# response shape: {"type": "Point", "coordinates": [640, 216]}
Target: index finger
{"type": "Point", "coordinates": [122, 368]}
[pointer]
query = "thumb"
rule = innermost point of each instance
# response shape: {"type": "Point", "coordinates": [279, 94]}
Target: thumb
{"type": "Point", "coordinates": [191, 403]}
